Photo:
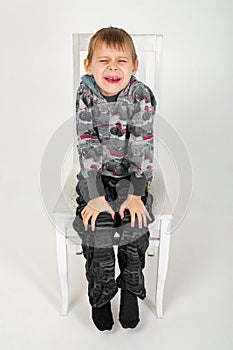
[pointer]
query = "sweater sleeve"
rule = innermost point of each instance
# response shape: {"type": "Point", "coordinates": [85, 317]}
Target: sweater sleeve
{"type": "Point", "coordinates": [141, 141]}
{"type": "Point", "coordinates": [89, 147]}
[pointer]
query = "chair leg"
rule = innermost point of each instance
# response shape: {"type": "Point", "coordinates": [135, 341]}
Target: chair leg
{"type": "Point", "coordinates": [163, 257]}
{"type": "Point", "coordinates": [62, 263]}
{"type": "Point", "coordinates": [154, 241]}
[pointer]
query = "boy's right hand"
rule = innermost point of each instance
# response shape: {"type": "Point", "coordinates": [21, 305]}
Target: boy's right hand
{"type": "Point", "coordinates": [92, 210]}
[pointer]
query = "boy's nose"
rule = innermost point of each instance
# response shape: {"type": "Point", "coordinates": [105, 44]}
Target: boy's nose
{"type": "Point", "coordinates": [113, 67]}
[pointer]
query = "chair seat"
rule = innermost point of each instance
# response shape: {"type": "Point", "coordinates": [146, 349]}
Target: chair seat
{"type": "Point", "coordinates": [66, 204]}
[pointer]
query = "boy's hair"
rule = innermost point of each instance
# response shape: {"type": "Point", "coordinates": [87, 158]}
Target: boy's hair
{"type": "Point", "coordinates": [112, 37]}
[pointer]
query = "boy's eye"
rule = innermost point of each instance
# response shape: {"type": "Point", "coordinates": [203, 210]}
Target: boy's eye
{"type": "Point", "coordinates": [105, 60]}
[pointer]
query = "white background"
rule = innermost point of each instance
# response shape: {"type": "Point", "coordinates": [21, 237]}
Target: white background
{"type": "Point", "coordinates": [36, 98]}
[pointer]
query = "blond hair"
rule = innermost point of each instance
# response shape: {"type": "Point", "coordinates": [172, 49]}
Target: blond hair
{"type": "Point", "coordinates": [112, 37]}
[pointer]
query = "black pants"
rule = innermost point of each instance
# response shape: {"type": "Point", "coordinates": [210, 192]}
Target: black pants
{"type": "Point", "coordinates": [98, 244]}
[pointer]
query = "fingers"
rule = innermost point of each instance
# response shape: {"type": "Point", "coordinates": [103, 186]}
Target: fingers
{"type": "Point", "coordinates": [139, 220]}
{"type": "Point", "coordinates": [83, 212]}
{"type": "Point", "coordinates": [142, 216]}
{"type": "Point", "coordinates": [147, 214]}
{"type": "Point", "coordinates": [85, 223]}
{"type": "Point", "coordinates": [86, 220]}
{"type": "Point", "coordinates": [132, 214]}
{"type": "Point", "coordinates": [121, 211]}
{"type": "Point", "coordinates": [136, 209]}
{"type": "Point", "coordinates": [139, 217]}
{"type": "Point", "coordinates": [93, 221]}
{"type": "Point", "coordinates": [87, 216]}
{"type": "Point", "coordinates": [88, 212]}
{"type": "Point", "coordinates": [144, 220]}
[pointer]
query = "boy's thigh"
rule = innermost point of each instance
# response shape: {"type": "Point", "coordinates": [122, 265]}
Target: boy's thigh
{"type": "Point", "coordinates": [105, 226]}
{"type": "Point", "coordinates": [102, 236]}
{"type": "Point", "coordinates": [129, 234]}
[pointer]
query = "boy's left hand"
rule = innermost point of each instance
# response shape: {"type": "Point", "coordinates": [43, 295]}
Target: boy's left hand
{"type": "Point", "coordinates": [135, 206]}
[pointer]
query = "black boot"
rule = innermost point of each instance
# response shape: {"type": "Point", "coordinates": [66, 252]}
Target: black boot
{"type": "Point", "coordinates": [129, 311]}
{"type": "Point", "coordinates": [102, 317]}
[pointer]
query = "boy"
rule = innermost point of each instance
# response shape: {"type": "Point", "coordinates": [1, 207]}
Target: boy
{"type": "Point", "coordinates": [115, 145]}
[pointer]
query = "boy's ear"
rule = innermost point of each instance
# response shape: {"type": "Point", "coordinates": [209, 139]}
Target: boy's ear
{"type": "Point", "coordinates": [135, 66]}
{"type": "Point", "coordinates": [87, 67]}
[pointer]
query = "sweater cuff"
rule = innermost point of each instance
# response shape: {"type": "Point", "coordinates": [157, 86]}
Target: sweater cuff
{"type": "Point", "coordinates": [95, 186]}
{"type": "Point", "coordinates": [138, 185]}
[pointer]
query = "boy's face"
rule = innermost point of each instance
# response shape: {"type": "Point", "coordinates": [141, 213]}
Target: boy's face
{"type": "Point", "coordinates": [112, 68]}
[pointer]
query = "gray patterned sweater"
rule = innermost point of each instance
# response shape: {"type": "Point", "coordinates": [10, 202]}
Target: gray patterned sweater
{"type": "Point", "coordinates": [115, 138]}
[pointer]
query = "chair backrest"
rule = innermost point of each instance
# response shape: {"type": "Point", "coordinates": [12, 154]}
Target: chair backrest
{"type": "Point", "coordinates": [149, 50]}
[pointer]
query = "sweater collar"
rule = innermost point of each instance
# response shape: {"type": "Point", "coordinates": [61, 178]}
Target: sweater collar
{"type": "Point", "coordinates": [90, 81]}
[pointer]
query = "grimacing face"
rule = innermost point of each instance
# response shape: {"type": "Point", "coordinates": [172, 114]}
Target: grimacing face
{"type": "Point", "coordinates": [111, 68]}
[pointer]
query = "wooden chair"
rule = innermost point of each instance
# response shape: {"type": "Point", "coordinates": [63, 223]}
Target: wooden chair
{"type": "Point", "coordinates": [149, 50]}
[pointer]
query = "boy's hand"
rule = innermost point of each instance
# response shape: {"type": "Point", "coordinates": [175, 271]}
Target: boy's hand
{"type": "Point", "coordinates": [93, 208]}
{"type": "Point", "coordinates": [135, 206]}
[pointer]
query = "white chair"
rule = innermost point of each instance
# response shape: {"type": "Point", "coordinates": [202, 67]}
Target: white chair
{"type": "Point", "coordinates": [149, 50]}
